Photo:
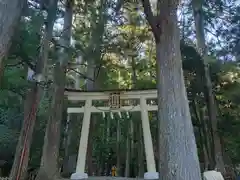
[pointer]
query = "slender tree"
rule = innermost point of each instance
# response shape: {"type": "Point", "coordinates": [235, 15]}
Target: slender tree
{"type": "Point", "coordinates": [10, 15]}
{"type": "Point", "coordinates": [198, 14]}
{"type": "Point", "coordinates": [49, 162]}
{"type": "Point", "coordinates": [32, 100]}
{"type": "Point", "coordinates": [178, 156]}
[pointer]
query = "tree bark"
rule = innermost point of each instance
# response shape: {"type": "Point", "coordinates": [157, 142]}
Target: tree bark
{"type": "Point", "coordinates": [90, 146]}
{"type": "Point", "coordinates": [178, 156]}
{"type": "Point", "coordinates": [49, 162]}
{"type": "Point", "coordinates": [10, 15]}
{"type": "Point", "coordinates": [140, 151]}
{"type": "Point", "coordinates": [212, 109]}
{"type": "Point", "coordinates": [118, 146]}
{"type": "Point", "coordinates": [31, 103]}
{"type": "Point", "coordinates": [127, 162]}
{"type": "Point", "coordinates": [25, 137]}
{"type": "Point", "coordinates": [90, 86]}
{"type": "Point", "coordinates": [2, 64]}
{"type": "Point", "coordinates": [132, 126]}
{"type": "Point", "coordinates": [207, 138]}
{"type": "Point", "coordinates": [108, 135]}
{"type": "Point", "coordinates": [66, 144]}
{"type": "Point", "coordinates": [201, 135]}
{"type": "Point", "coordinates": [131, 148]}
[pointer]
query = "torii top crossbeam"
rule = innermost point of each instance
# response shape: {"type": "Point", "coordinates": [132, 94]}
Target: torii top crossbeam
{"type": "Point", "coordinates": [80, 95]}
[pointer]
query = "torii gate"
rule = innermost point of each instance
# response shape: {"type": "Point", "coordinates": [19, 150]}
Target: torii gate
{"type": "Point", "coordinates": [115, 98]}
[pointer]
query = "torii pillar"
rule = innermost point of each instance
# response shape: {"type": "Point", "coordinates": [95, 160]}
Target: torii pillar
{"type": "Point", "coordinates": [148, 145]}
{"type": "Point", "coordinates": [82, 151]}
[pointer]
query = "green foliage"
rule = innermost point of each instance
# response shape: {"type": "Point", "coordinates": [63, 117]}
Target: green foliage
{"type": "Point", "coordinates": [8, 141]}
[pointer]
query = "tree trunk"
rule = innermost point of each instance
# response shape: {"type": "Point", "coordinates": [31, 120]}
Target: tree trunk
{"type": "Point", "coordinates": [101, 162]}
{"type": "Point", "coordinates": [66, 144]}
{"type": "Point", "coordinates": [91, 85]}
{"type": "Point", "coordinates": [131, 132]}
{"type": "Point", "coordinates": [132, 153]}
{"type": "Point", "coordinates": [127, 157]}
{"type": "Point", "coordinates": [201, 135]}
{"type": "Point", "coordinates": [77, 75]}
{"type": "Point", "coordinates": [140, 151]}
{"type": "Point", "coordinates": [108, 135]}
{"type": "Point", "coordinates": [31, 103]}
{"type": "Point", "coordinates": [2, 64]}
{"type": "Point", "coordinates": [118, 146]}
{"type": "Point", "coordinates": [207, 138]}
{"type": "Point", "coordinates": [127, 163]}
{"type": "Point", "coordinates": [49, 162]}
{"type": "Point", "coordinates": [90, 146]}
{"type": "Point", "coordinates": [212, 109]}
{"type": "Point", "coordinates": [25, 137]}
{"type": "Point", "coordinates": [134, 74]}
{"type": "Point", "coordinates": [178, 156]}
{"type": "Point", "coordinates": [10, 15]}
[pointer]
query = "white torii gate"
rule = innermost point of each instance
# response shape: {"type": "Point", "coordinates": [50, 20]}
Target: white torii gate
{"type": "Point", "coordinates": [88, 108]}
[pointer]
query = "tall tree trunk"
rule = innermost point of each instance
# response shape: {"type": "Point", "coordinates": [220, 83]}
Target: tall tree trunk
{"type": "Point", "coordinates": [140, 146]}
{"type": "Point", "coordinates": [127, 162]}
{"type": "Point", "coordinates": [108, 135]}
{"type": "Point", "coordinates": [178, 156]}
{"type": "Point", "coordinates": [201, 134]}
{"type": "Point", "coordinates": [20, 164]}
{"type": "Point", "coordinates": [212, 109]}
{"type": "Point", "coordinates": [102, 158]}
{"type": "Point", "coordinates": [140, 151]}
{"type": "Point", "coordinates": [134, 74]}
{"type": "Point", "coordinates": [130, 138]}
{"type": "Point", "coordinates": [91, 85]}
{"type": "Point", "coordinates": [31, 104]}
{"type": "Point", "coordinates": [90, 146]}
{"type": "Point", "coordinates": [10, 15]}
{"type": "Point", "coordinates": [94, 51]}
{"type": "Point", "coordinates": [2, 64]}
{"type": "Point", "coordinates": [118, 146]}
{"type": "Point", "coordinates": [134, 83]}
{"type": "Point", "coordinates": [49, 162]}
{"type": "Point", "coordinates": [77, 75]}
{"type": "Point", "coordinates": [67, 141]}
{"type": "Point", "coordinates": [131, 135]}
{"type": "Point", "coordinates": [207, 138]}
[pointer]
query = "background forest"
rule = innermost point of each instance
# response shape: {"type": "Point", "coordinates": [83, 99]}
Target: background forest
{"type": "Point", "coordinates": [102, 45]}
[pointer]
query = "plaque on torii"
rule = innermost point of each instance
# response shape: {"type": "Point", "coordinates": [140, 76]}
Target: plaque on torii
{"type": "Point", "coordinates": [114, 101]}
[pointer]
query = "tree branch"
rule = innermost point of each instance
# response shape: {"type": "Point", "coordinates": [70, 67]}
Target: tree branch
{"type": "Point", "coordinates": [148, 12]}
{"type": "Point", "coordinates": [154, 21]}
{"type": "Point", "coordinates": [28, 62]}
{"type": "Point", "coordinates": [82, 75]}
{"type": "Point", "coordinates": [13, 65]}
{"type": "Point", "coordinates": [119, 6]}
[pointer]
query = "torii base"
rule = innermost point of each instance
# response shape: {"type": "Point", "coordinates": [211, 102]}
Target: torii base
{"type": "Point", "coordinates": [151, 175]}
{"type": "Point", "coordinates": [212, 175]}
{"type": "Point", "coordinates": [79, 176]}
